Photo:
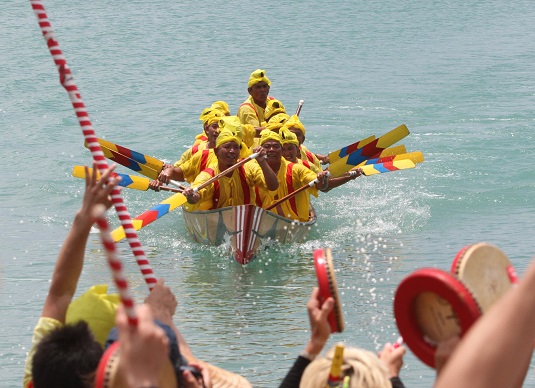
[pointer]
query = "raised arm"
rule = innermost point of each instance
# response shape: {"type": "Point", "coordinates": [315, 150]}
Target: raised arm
{"type": "Point", "coordinates": [71, 256]}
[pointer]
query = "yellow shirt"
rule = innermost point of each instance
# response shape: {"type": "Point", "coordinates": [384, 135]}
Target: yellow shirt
{"type": "Point", "coordinates": [200, 138]}
{"type": "Point", "coordinates": [231, 191]}
{"type": "Point", "coordinates": [190, 152]}
{"type": "Point", "coordinates": [198, 162]}
{"type": "Point", "coordinates": [296, 208]}
{"type": "Point", "coordinates": [250, 113]}
{"type": "Point", "coordinates": [307, 155]}
{"type": "Point", "coordinates": [311, 166]}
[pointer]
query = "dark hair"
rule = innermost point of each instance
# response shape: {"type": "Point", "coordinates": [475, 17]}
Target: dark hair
{"type": "Point", "coordinates": [67, 357]}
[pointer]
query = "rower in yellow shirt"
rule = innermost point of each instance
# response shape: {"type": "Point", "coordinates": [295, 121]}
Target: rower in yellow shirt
{"type": "Point", "coordinates": [251, 111]}
{"type": "Point", "coordinates": [187, 171]}
{"type": "Point", "coordinates": [210, 118]}
{"type": "Point", "coordinates": [296, 126]}
{"type": "Point", "coordinates": [237, 187]}
{"type": "Point", "coordinates": [291, 176]}
{"type": "Point", "coordinates": [290, 149]}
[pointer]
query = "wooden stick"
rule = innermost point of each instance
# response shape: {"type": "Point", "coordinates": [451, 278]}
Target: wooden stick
{"type": "Point", "coordinates": [299, 107]}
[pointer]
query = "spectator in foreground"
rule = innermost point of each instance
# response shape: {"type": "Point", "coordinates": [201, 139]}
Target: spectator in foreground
{"type": "Point", "coordinates": [365, 369]}
{"type": "Point", "coordinates": [67, 355]}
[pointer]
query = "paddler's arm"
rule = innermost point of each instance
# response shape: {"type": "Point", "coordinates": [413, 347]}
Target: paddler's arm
{"type": "Point", "coordinates": [272, 183]}
{"type": "Point", "coordinates": [323, 180]}
{"type": "Point", "coordinates": [339, 181]}
{"type": "Point", "coordinates": [71, 256]}
{"type": "Point", "coordinates": [168, 174]}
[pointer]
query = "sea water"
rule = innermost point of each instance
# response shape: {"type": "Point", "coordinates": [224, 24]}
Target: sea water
{"type": "Point", "coordinates": [459, 75]}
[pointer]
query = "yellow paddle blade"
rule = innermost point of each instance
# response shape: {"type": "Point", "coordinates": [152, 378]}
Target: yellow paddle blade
{"type": "Point", "coordinates": [151, 215]}
{"type": "Point", "coordinates": [368, 151]}
{"type": "Point", "coordinates": [379, 168]}
{"type": "Point", "coordinates": [416, 157]}
{"type": "Point", "coordinates": [129, 181]}
{"type": "Point", "coordinates": [396, 150]}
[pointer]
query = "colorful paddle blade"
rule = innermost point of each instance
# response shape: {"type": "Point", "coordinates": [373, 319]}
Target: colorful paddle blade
{"type": "Point", "coordinates": [368, 151]}
{"type": "Point", "coordinates": [344, 151]}
{"type": "Point", "coordinates": [151, 215]}
{"type": "Point", "coordinates": [144, 164]}
{"type": "Point", "coordinates": [129, 181]}
{"type": "Point", "coordinates": [395, 150]}
{"type": "Point", "coordinates": [379, 168]}
{"type": "Point", "coordinates": [416, 157]}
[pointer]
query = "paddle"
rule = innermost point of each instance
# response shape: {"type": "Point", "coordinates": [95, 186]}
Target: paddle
{"type": "Point", "coordinates": [170, 204]}
{"type": "Point", "coordinates": [379, 168]}
{"type": "Point", "coordinates": [128, 181]}
{"type": "Point", "coordinates": [144, 164]}
{"type": "Point", "coordinates": [396, 150]}
{"type": "Point", "coordinates": [416, 157]}
{"type": "Point", "coordinates": [367, 151]}
{"type": "Point", "coordinates": [301, 102]}
{"type": "Point", "coordinates": [344, 151]}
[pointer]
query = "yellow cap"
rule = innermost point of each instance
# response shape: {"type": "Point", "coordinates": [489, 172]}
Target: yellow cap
{"type": "Point", "coordinates": [222, 106]}
{"type": "Point", "coordinates": [97, 308]}
{"type": "Point", "coordinates": [258, 76]}
{"type": "Point", "coordinates": [288, 137]}
{"type": "Point", "coordinates": [277, 122]}
{"type": "Point", "coordinates": [226, 136]}
{"type": "Point", "coordinates": [273, 107]}
{"type": "Point", "coordinates": [208, 113]}
{"type": "Point", "coordinates": [267, 135]}
{"type": "Point", "coordinates": [294, 122]}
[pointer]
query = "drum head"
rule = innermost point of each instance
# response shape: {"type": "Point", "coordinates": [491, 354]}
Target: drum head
{"type": "Point", "coordinates": [485, 271]}
{"type": "Point", "coordinates": [431, 306]}
{"type": "Point", "coordinates": [328, 287]}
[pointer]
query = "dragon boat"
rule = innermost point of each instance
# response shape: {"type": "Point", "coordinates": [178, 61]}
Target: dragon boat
{"type": "Point", "coordinates": [246, 228]}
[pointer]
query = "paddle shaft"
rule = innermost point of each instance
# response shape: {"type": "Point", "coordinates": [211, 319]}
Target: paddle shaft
{"type": "Point", "coordinates": [223, 173]}
{"type": "Point", "coordinates": [301, 102]}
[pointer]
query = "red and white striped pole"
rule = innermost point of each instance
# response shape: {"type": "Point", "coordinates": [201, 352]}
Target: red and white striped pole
{"type": "Point", "coordinates": [116, 265]}
{"type": "Point", "coordinates": [67, 81]}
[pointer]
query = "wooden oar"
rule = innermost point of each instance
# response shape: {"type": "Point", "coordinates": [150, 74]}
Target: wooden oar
{"type": "Point", "coordinates": [135, 161]}
{"type": "Point", "coordinates": [301, 102]}
{"type": "Point", "coordinates": [416, 157]}
{"type": "Point", "coordinates": [369, 150]}
{"type": "Point", "coordinates": [128, 181]}
{"type": "Point", "coordinates": [170, 204]}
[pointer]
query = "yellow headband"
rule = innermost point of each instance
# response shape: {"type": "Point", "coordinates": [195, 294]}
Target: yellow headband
{"type": "Point", "coordinates": [258, 76]}
{"type": "Point", "coordinates": [222, 106]}
{"type": "Point", "coordinates": [233, 124]}
{"type": "Point", "coordinates": [273, 107]}
{"type": "Point", "coordinates": [209, 113]}
{"type": "Point", "coordinates": [294, 122]}
{"type": "Point", "coordinates": [227, 136]}
{"type": "Point", "coordinates": [288, 137]}
{"type": "Point", "coordinates": [277, 121]}
{"type": "Point", "coordinates": [267, 135]}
